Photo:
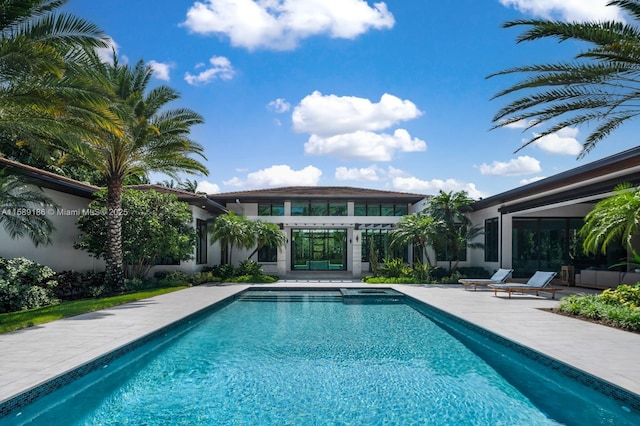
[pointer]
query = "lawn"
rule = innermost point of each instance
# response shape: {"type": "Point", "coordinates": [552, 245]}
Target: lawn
{"type": "Point", "coordinates": [16, 320]}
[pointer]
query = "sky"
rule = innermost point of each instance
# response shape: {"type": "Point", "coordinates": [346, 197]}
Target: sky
{"type": "Point", "coordinates": [389, 95]}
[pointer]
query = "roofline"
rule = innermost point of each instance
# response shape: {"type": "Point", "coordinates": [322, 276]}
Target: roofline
{"type": "Point", "coordinates": [595, 169]}
{"type": "Point", "coordinates": [264, 194]}
{"type": "Point", "coordinates": [52, 180]}
{"type": "Point", "coordinates": [74, 187]}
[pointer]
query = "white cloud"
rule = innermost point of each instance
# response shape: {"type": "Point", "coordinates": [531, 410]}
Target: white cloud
{"type": "Point", "coordinates": [208, 187]}
{"type": "Point", "coordinates": [367, 174]}
{"type": "Point", "coordinates": [523, 165]}
{"type": "Point", "coordinates": [220, 68]}
{"type": "Point", "coordinates": [568, 10]}
{"type": "Point", "coordinates": [531, 180]}
{"type": "Point", "coordinates": [281, 24]}
{"type": "Point", "coordinates": [279, 106]}
{"type": "Point", "coordinates": [160, 70]}
{"type": "Point", "coordinates": [279, 175]}
{"type": "Point", "coordinates": [363, 145]}
{"type": "Point", "coordinates": [346, 126]}
{"type": "Point", "coordinates": [413, 184]}
{"type": "Point", "coordinates": [329, 115]}
{"type": "Point", "coordinates": [561, 142]}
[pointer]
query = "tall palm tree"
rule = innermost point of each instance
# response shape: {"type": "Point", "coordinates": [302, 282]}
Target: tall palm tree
{"type": "Point", "coordinates": [613, 219]}
{"type": "Point", "coordinates": [601, 86]}
{"type": "Point", "coordinates": [42, 99]}
{"type": "Point", "coordinates": [417, 229]}
{"type": "Point", "coordinates": [23, 209]}
{"type": "Point", "coordinates": [456, 230]}
{"type": "Point", "coordinates": [233, 230]}
{"type": "Point", "coordinates": [267, 234]}
{"type": "Point", "coordinates": [152, 139]}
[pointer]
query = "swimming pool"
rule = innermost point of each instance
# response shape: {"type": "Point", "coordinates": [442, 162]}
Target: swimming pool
{"type": "Point", "coordinates": [327, 357]}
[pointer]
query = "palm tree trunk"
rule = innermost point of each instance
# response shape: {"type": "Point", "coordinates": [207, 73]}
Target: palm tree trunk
{"type": "Point", "coordinates": [114, 265]}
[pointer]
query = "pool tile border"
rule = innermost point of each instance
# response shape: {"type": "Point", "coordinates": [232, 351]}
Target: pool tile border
{"type": "Point", "coordinates": [14, 403]}
{"type": "Point", "coordinates": [630, 399]}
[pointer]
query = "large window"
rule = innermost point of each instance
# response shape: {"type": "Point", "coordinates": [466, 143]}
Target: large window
{"type": "Point", "coordinates": [548, 243]}
{"type": "Point", "coordinates": [271, 209]}
{"type": "Point", "coordinates": [380, 209]}
{"type": "Point", "coordinates": [319, 249]}
{"type": "Point", "coordinates": [201, 243]}
{"type": "Point", "coordinates": [318, 208]}
{"type": "Point", "coordinates": [378, 240]}
{"type": "Point", "coordinates": [491, 236]}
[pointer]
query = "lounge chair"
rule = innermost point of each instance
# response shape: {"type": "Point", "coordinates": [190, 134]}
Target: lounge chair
{"type": "Point", "coordinates": [537, 283]}
{"type": "Point", "coordinates": [500, 276]}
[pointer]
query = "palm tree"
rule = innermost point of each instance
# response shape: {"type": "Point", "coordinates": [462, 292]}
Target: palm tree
{"type": "Point", "coordinates": [267, 234]}
{"type": "Point", "coordinates": [152, 139]}
{"type": "Point", "coordinates": [417, 229]}
{"type": "Point", "coordinates": [456, 231]}
{"type": "Point", "coordinates": [600, 86]}
{"type": "Point", "coordinates": [189, 185]}
{"type": "Point", "coordinates": [233, 230]}
{"type": "Point", "coordinates": [24, 209]}
{"type": "Point", "coordinates": [613, 219]}
{"type": "Point", "coordinates": [42, 98]}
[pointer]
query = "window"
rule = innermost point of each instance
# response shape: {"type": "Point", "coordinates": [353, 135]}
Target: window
{"type": "Point", "coordinates": [299, 209]}
{"type": "Point", "coordinates": [337, 209]}
{"type": "Point", "coordinates": [271, 209]}
{"type": "Point", "coordinates": [201, 243]}
{"type": "Point", "coordinates": [268, 254]}
{"type": "Point", "coordinates": [491, 243]}
{"type": "Point", "coordinates": [319, 209]}
{"type": "Point", "coordinates": [380, 209]}
{"type": "Point", "coordinates": [378, 240]}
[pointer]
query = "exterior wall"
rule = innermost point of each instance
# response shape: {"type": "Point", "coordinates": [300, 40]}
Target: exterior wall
{"type": "Point", "coordinates": [288, 222]}
{"type": "Point", "coordinates": [60, 255]}
{"type": "Point", "coordinates": [475, 257]}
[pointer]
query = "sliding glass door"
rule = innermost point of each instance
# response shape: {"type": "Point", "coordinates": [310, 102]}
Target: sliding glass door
{"type": "Point", "coordinates": [319, 250]}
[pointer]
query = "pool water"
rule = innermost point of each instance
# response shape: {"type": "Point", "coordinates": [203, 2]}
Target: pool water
{"type": "Point", "coordinates": [309, 362]}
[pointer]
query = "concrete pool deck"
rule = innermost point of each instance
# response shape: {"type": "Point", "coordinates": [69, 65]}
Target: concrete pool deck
{"type": "Point", "coordinates": [35, 355]}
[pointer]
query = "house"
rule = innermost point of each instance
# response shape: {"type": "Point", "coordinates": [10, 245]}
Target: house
{"type": "Point", "coordinates": [72, 197]}
{"type": "Point", "coordinates": [535, 226]}
{"type": "Point", "coordinates": [336, 230]}
{"type": "Point", "coordinates": [328, 230]}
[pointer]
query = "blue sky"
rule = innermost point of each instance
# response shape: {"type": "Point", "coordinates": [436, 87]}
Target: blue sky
{"type": "Point", "coordinates": [388, 95]}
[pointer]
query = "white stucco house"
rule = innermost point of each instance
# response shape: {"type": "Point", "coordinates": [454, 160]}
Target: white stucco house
{"type": "Point", "coordinates": [329, 231]}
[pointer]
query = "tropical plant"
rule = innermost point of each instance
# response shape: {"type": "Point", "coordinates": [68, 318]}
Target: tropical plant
{"type": "Point", "coordinates": [232, 230]}
{"type": "Point", "coordinates": [599, 86]}
{"type": "Point", "coordinates": [417, 229]}
{"type": "Point", "coordinates": [154, 226]}
{"type": "Point", "coordinates": [153, 139]}
{"type": "Point", "coordinates": [455, 232]}
{"type": "Point", "coordinates": [25, 284]}
{"type": "Point", "coordinates": [43, 95]}
{"type": "Point", "coordinates": [614, 219]}
{"type": "Point", "coordinates": [24, 209]}
{"type": "Point", "coordinates": [267, 234]}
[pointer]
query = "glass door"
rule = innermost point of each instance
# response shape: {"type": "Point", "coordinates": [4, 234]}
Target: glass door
{"type": "Point", "coordinates": [319, 250]}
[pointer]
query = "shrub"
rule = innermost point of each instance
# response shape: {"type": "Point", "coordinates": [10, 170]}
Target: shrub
{"type": "Point", "coordinates": [73, 285]}
{"type": "Point", "coordinates": [421, 272]}
{"type": "Point", "coordinates": [222, 271]}
{"type": "Point", "coordinates": [263, 279]}
{"type": "Point", "coordinates": [175, 278]}
{"type": "Point", "coordinates": [394, 268]}
{"type": "Point", "coordinates": [249, 267]}
{"type": "Point", "coordinates": [391, 280]}
{"type": "Point", "coordinates": [25, 284]}
{"type": "Point", "coordinates": [616, 307]}
{"type": "Point", "coordinates": [204, 277]}
{"type": "Point", "coordinates": [473, 272]}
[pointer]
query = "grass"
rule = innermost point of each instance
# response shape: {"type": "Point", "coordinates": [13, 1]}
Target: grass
{"type": "Point", "coordinates": [17, 320]}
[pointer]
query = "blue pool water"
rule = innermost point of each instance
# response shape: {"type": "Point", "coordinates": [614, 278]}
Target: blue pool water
{"type": "Point", "coordinates": [321, 362]}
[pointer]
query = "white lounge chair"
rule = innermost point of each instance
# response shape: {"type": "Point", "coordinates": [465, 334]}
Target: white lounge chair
{"type": "Point", "coordinates": [500, 276]}
{"type": "Point", "coordinates": [537, 283]}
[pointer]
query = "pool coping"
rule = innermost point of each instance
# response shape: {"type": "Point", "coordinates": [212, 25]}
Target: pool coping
{"type": "Point", "coordinates": [220, 295]}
